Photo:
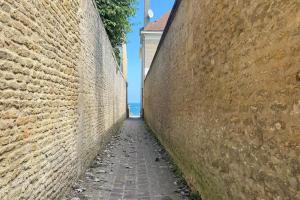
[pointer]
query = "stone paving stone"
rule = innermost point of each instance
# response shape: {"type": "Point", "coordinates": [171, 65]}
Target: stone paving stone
{"type": "Point", "coordinates": [128, 169]}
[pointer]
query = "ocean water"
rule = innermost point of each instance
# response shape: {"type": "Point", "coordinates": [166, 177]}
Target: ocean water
{"type": "Point", "coordinates": [134, 109]}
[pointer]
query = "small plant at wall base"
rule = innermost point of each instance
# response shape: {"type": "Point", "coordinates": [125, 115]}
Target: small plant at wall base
{"type": "Point", "coordinates": [115, 16]}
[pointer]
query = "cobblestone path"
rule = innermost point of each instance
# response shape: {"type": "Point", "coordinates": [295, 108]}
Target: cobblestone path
{"type": "Point", "coordinates": [133, 166]}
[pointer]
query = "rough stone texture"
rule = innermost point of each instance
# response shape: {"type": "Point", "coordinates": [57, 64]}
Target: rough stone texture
{"type": "Point", "coordinates": [223, 96]}
{"type": "Point", "coordinates": [61, 95]}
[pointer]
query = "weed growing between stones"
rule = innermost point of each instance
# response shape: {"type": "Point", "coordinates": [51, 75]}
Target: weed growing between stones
{"type": "Point", "coordinates": [195, 196]}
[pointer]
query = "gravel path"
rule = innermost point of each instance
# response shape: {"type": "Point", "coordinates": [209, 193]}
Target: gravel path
{"type": "Point", "coordinates": [133, 166]}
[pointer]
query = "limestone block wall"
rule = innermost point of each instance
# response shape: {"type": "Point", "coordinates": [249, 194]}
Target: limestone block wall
{"type": "Point", "coordinates": [61, 95]}
{"type": "Point", "coordinates": [223, 96]}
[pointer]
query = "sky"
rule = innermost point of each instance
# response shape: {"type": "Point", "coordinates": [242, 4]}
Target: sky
{"type": "Point", "coordinates": [159, 7]}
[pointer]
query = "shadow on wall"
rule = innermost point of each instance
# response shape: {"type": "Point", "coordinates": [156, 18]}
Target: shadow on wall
{"type": "Point", "coordinates": [102, 98]}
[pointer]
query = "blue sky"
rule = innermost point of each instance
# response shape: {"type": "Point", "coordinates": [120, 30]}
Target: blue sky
{"type": "Point", "coordinates": [159, 7]}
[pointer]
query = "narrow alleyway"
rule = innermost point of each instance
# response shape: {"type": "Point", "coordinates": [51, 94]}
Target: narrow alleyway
{"type": "Point", "coordinates": [133, 166]}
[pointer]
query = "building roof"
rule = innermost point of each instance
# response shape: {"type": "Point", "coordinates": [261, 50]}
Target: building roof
{"type": "Point", "coordinates": [158, 25]}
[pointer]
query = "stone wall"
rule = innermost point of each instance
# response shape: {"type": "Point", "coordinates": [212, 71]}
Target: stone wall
{"type": "Point", "coordinates": [223, 96]}
{"type": "Point", "coordinates": [61, 95]}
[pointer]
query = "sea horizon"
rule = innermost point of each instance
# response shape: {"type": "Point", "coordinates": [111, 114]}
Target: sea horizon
{"type": "Point", "coordinates": [134, 109]}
